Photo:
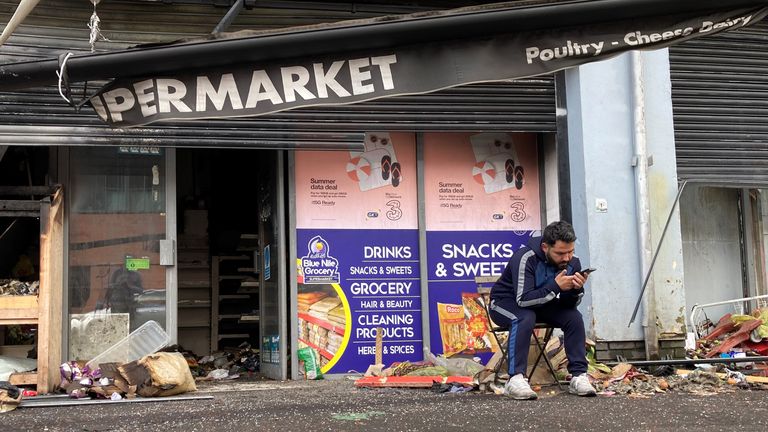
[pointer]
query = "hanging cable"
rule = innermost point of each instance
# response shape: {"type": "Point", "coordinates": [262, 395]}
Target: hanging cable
{"type": "Point", "coordinates": [61, 73]}
{"type": "Point", "coordinates": [94, 24]}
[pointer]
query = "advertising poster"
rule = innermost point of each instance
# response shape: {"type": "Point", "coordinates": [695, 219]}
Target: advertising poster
{"type": "Point", "coordinates": [358, 254]}
{"type": "Point", "coordinates": [482, 203]}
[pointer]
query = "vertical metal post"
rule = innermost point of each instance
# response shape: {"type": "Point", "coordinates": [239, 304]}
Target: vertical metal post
{"type": "Point", "coordinates": [542, 180]}
{"type": "Point", "coordinates": [63, 176]}
{"type": "Point", "coordinates": [171, 273]}
{"type": "Point", "coordinates": [292, 255]}
{"type": "Point", "coordinates": [423, 270]}
{"type": "Point", "coordinates": [746, 243]}
{"type": "Point", "coordinates": [643, 204]}
{"type": "Point", "coordinates": [281, 270]}
{"type": "Point", "coordinates": [759, 242]}
{"type": "Point", "coordinates": [563, 153]}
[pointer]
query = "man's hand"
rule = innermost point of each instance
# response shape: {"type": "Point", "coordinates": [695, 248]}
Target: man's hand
{"type": "Point", "coordinates": [567, 283]}
{"type": "Point", "coordinates": [580, 279]}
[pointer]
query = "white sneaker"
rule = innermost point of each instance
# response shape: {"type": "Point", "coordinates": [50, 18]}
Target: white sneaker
{"type": "Point", "coordinates": [517, 388]}
{"type": "Point", "coordinates": [580, 386]}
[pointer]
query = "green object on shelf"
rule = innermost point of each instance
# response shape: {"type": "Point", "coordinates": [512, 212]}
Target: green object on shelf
{"type": "Point", "coordinates": [134, 264]}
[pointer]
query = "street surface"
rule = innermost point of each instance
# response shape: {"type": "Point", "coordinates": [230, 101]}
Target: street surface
{"type": "Point", "coordinates": [336, 405]}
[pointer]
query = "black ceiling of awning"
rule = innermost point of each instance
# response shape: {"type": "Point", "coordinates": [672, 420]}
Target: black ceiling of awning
{"type": "Point", "coordinates": [349, 36]}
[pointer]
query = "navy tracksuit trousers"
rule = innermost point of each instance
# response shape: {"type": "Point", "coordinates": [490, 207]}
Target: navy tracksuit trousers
{"type": "Point", "coordinates": [521, 321]}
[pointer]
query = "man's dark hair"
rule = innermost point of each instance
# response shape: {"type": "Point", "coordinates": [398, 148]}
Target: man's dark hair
{"type": "Point", "coordinates": [559, 230]}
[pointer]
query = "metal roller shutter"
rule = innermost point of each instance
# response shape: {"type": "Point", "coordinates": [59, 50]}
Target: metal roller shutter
{"type": "Point", "coordinates": [40, 117]}
{"type": "Point", "coordinates": [720, 103]}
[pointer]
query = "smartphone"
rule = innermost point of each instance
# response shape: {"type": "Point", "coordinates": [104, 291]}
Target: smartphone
{"type": "Point", "coordinates": [587, 271]}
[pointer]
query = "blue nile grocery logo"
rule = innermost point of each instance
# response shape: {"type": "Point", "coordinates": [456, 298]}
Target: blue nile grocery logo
{"type": "Point", "coordinates": [318, 266]}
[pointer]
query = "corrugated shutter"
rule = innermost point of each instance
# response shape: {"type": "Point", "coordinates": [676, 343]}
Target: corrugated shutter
{"type": "Point", "coordinates": [40, 117]}
{"type": "Point", "coordinates": [720, 103]}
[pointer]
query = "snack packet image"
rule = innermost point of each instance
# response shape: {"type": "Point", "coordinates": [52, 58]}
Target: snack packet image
{"type": "Point", "coordinates": [479, 337]}
{"type": "Point", "coordinates": [453, 331]}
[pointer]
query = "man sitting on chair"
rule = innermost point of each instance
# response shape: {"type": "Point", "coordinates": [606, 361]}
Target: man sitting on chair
{"type": "Point", "coordinates": [542, 283]}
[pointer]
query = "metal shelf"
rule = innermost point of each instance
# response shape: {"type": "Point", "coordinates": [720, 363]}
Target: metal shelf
{"type": "Point", "coordinates": [234, 336]}
{"type": "Point", "coordinates": [245, 285]}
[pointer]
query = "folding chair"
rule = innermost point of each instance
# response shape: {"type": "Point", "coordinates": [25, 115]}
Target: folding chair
{"type": "Point", "coordinates": [484, 285]}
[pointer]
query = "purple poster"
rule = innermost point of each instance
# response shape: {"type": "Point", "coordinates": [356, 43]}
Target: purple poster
{"type": "Point", "coordinates": [457, 321]}
{"type": "Point", "coordinates": [352, 282]}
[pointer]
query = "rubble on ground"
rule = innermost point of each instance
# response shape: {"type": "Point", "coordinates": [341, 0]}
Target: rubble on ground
{"type": "Point", "coordinates": [459, 375]}
{"type": "Point", "coordinates": [14, 287]}
{"type": "Point", "coordinates": [225, 364]}
{"type": "Point", "coordinates": [735, 336]}
{"type": "Point", "coordinates": [628, 380]}
{"type": "Point", "coordinates": [158, 374]}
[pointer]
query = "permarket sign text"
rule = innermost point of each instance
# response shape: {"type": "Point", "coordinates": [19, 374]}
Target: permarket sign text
{"type": "Point", "coordinates": [273, 88]}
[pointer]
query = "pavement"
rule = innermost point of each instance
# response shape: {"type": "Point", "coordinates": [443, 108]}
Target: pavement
{"type": "Point", "coordinates": [336, 405]}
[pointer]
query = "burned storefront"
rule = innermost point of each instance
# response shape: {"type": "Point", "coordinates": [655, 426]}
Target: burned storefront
{"type": "Point", "coordinates": [306, 188]}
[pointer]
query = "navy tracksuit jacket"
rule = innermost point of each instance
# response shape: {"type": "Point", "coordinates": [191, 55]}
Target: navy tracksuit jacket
{"type": "Point", "coordinates": [526, 293]}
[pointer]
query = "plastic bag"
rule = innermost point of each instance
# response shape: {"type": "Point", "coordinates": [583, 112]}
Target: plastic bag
{"type": "Point", "coordinates": [10, 396]}
{"type": "Point", "coordinates": [430, 371]}
{"type": "Point", "coordinates": [9, 365]}
{"type": "Point", "coordinates": [170, 373]}
{"type": "Point", "coordinates": [311, 361]}
{"type": "Point", "coordinates": [455, 366]}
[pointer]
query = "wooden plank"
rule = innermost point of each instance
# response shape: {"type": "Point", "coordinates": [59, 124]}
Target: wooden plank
{"type": "Point", "coordinates": [51, 292]}
{"type": "Point", "coordinates": [378, 352]}
{"type": "Point", "coordinates": [411, 381]}
{"type": "Point", "coordinates": [15, 350]}
{"type": "Point", "coordinates": [18, 310]}
{"type": "Point", "coordinates": [18, 316]}
{"type": "Point", "coordinates": [486, 279]}
{"type": "Point", "coordinates": [19, 302]}
{"type": "Point", "coordinates": [23, 378]}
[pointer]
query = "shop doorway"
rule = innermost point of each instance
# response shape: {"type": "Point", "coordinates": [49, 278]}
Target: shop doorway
{"type": "Point", "coordinates": [231, 289]}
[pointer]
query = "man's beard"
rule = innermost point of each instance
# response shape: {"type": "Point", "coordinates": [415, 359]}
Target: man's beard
{"type": "Point", "coordinates": [560, 266]}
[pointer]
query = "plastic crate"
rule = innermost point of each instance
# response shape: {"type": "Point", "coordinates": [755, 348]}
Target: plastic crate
{"type": "Point", "coordinates": [147, 339]}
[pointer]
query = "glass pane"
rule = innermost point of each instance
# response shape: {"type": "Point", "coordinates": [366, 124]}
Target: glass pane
{"type": "Point", "coordinates": [116, 220]}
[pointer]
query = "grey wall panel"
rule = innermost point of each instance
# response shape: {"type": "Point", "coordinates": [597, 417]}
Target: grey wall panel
{"type": "Point", "coordinates": [711, 246]}
{"type": "Point", "coordinates": [720, 103]}
{"type": "Point", "coordinates": [60, 26]}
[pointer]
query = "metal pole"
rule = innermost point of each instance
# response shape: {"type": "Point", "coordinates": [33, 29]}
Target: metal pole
{"type": "Point", "coordinates": [31, 403]}
{"type": "Point", "coordinates": [756, 359]}
{"type": "Point", "coordinates": [229, 18]}
{"type": "Point", "coordinates": [22, 10]}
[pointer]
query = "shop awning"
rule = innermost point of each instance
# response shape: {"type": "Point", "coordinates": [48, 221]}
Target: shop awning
{"type": "Point", "coordinates": [354, 61]}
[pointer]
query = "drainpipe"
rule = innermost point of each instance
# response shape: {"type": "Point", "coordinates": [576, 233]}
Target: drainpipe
{"type": "Point", "coordinates": [640, 163]}
{"type": "Point", "coordinates": [24, 9]}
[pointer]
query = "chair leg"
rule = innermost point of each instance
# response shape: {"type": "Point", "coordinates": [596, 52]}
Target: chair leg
{"type": "Point", "coordinates": [498, 343]}
{"type": "Point", "coordinates": [541, 347]}
{"type": "Point", "coordinates": [503, 354]}
{"type": "Point", "coordinates": [542, 353]}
